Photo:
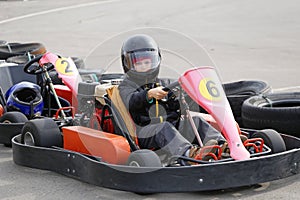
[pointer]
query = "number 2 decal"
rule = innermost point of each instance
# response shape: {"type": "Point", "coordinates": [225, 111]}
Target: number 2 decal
{"type": "Point", "coordinates": [209, 89]}
{"type": "Point", "coordinates": [67, 70]}
{"type": "Point", "coordinates": [63, 66]}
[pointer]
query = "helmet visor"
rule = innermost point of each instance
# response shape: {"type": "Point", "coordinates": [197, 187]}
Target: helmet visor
{"type": "Point", "coordinates": [143, 61]}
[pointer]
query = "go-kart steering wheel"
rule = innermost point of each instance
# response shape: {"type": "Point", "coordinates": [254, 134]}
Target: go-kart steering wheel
{"type": "Point", "coordinates": [33, 67]}
{"type": "Point", "coordinates": [171, 86]}
{"type": "Point", "coordinates": [172, 90]}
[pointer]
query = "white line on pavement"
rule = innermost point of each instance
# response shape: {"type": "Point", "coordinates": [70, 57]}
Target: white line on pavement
{"type": "Point", "coordinates": [56, 10]}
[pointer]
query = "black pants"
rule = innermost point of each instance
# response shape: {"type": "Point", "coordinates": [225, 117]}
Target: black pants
{"type": "Point", "coordinates": [164, 136]}
{"type": "Point", "coordinates": [205, 130]}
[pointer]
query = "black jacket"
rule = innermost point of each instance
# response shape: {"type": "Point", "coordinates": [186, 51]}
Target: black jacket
{"type": "Point", "coordinates": [143, 111]}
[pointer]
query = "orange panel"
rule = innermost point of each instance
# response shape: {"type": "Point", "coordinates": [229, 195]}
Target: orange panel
{"type": "Point", "coordinates": [111, 148]}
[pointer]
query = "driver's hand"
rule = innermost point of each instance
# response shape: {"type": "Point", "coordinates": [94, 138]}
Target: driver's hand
{"type": "Point", "coordinates": [157, 93]}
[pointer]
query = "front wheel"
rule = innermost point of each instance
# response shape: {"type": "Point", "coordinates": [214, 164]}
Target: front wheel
{"type": "Point", "coordinates": [272, 139]}
{"type": "Point", "coordinates": [144, 158]}
{"type": "Point", "coordinates": [41, 132]}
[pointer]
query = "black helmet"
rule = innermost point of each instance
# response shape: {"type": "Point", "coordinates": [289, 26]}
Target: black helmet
{"type": "Point", "coordinates": [137, 48]}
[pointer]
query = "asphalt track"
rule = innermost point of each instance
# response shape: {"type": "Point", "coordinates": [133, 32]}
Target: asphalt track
{"type": "Point", "coordinates": [248, 39]}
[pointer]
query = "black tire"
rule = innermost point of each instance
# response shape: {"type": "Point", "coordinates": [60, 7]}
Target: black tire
{"type": "Point", "coordinates": [3, 42]}
{"type": "Point", "coordinates": [21, 59]}
{"type": "Point", "coordinates": [42, 132]}
{"type": "Point", "coordinates": [13, 117]}
{"type": "Point", "coordinates": [272, 139]}
{"type": "Point", "coordinates": [279, 111]}
{"type": "Point", "coordinates": [144, 158]}
{"type": "Point", "coordinates": [237, 92]}
{"type": "Point", "coordinates": [16, 49]}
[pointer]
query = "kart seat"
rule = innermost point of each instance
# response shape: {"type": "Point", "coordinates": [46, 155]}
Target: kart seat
{"type": "Point", "coordinates": [113, 112]}
{"type": "Point", "coordinates": [114, 95]}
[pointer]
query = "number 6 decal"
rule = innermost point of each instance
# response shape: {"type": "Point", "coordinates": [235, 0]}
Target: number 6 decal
{"type": "Point", "coordinates": [209, 89]}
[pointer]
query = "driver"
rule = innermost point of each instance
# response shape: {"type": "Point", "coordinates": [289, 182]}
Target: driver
{"type": "Point", "coordinates": [156, 112]}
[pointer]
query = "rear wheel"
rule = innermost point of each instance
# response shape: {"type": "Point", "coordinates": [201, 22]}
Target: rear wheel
{"type": "Point", "coordinates": [41, 132]}
{"type": "Point", "coordinates": [144, 158]}
{"type": "Point", "coordinates": [12, 117]}
{"type": "Point", "coordinates": [272, 139]}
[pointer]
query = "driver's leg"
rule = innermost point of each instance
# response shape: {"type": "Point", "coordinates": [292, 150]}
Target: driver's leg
{"type": "Point", "coordinates": [205, 130]}
{"type": "Point", "coordinates": [163, 136]}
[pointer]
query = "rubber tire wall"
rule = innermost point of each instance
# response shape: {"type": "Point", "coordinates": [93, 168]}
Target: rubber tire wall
{"type": "Point", "coordinates": [237, 92]}
{"type": "Point", "coordinates": [279, 111]}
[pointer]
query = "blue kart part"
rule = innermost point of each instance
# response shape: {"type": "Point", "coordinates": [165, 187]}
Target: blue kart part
{"type": "Point", "coordinates": [26, 98]}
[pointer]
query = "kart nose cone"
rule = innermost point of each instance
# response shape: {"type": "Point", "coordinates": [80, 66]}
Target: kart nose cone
{"type": "Point", "coordinates": [238, 151]}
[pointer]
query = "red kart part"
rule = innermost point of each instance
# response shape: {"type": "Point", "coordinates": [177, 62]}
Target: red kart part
{"type": "Point", "coordinates": [101, 121]}
{"type": "Point", "coordinates": [105, 120]}
{"type": "Point", "coordinates": [1, 110]}
{"type": "Point", "coordinates": [203, 86]}
{"type": "Point", "coordinates": [65, 92]}
{"type": "Point", "coordinates": [206, 152]}
{"type": "Point", "coordinates": [65, 68]}
{"type": "Point", "coordinates": [68, 72]}
{"type": "Point", "coordinates": [65, 108]}
{"type": "Point", "coordinates": [111, 148]}
{"type": "Point", "coordinates": [252, 142]}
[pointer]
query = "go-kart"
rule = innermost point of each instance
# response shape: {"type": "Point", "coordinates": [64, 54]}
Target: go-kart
{"type": "Point", "coordinates": [52, 103]}
{"type": "Point", "coordinates": [115, 161]}
{"type": "Point", "coordinates": [111, 157]}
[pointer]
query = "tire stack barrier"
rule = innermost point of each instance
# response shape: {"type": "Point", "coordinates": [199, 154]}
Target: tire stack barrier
{"type": "Point", "coordinates": [237, 92]}
{"type": "Point", "coordinates": [279, 111]}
